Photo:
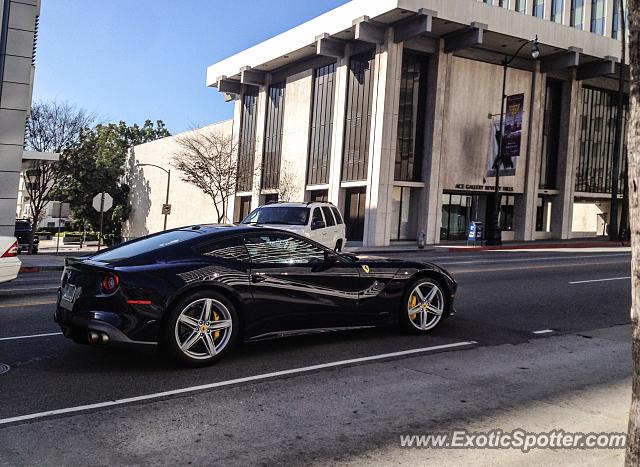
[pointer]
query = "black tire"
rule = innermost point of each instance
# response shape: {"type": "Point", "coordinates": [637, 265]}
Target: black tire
{"type": "Point", "coordinates": [198, 354]}
{"type": "Point", "coordinates": [412, 322]}
{"type": "Point", "coordinates": [338, 247]}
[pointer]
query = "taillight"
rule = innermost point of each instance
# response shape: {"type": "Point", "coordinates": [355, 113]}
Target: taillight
{"type": "Point", "coordinates": [12, 251]}
{"type": "Point", "coordinates": [110, 283]}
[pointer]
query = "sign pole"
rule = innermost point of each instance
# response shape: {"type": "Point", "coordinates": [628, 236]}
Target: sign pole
{"type": "Point", "coordinates": [101, 219]}
{"type": "Point", "coordinates": [167, 198]}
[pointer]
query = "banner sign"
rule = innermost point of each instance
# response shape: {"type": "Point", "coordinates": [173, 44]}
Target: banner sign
{"type": "Point", "coordinates": [512, 138]}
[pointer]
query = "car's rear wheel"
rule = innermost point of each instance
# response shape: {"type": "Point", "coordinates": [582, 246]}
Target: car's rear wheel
{"type": "Point", "coordinates": [200, 328]}
{"type": "Point", "coordinates": [424, 305]}
{"type": "Point", "coordinates": [338, 247]}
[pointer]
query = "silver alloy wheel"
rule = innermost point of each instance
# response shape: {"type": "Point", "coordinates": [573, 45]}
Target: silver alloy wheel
{"type": "Point", "coordinates": [425, 306]}
{"type": "Point", "coordinates": [203, 328]}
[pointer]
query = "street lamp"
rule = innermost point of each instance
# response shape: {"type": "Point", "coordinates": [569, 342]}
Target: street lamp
{"type": "Point", "coordinates": [494, 234]}
{"type": "Point", "coordinates": [168, 172]}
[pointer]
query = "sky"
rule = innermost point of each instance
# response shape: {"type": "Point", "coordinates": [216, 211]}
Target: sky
{"type": "Point", "coordinates": [134, 60]}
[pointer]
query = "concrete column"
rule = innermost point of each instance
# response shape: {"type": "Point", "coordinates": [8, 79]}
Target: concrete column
{"type": "Point", "coordinates": [235, 136]}
{"type": "Point", "coordinates": [337, 139]}
{"type": "Point", "coordinates": [261, 119]}
{"type": "Point", "coordinates": [437, 99]}
{"type": "Point", "coordinates": [566, 16]}
{"type": "Point", "coordinates": [382, 144]}
{"type": "Point", "coordinates": [568, 153]}
{"type": "Point", "coordinates": [586, 20]}
{"type": "Point", "coordinates": [547, 10]}
{"type": "Point", "coordinates": [526, 209]}
{"type": "Point", "coordinates": [295, 137]}
{"type": "Point", "coordinates": [608, 14]}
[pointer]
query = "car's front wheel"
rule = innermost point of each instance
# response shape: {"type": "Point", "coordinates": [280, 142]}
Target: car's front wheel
{"type": "Point", "coordinates": [200, 328]}
{"type": "Point", "coordinates": [424, 305]}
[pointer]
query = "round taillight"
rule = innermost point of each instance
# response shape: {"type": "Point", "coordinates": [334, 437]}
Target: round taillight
{"type": "Point", "coordinates": [110, 283]}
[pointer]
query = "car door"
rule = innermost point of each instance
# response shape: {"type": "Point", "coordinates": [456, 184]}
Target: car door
{"type": "Point", "coordinates": [332, 228]}
{"type": "Point", "coordinates": [318, 226]}
{"type": "Point", "coordinates": [297, 284]}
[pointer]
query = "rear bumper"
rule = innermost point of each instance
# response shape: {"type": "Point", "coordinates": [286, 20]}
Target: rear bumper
{"type": "Point", "coordinates": [9, 269]}
{"type": "Point", "coordinates": [79, 327]}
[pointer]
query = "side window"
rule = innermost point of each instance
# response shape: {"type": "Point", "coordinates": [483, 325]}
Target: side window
{"type": "Point", "coordinates": [328, 216]}
{"type": "Point", "coordinates": [317, 216]}
{"type": "Point", "coordinates": [230, 249]}
{"type": "Point", "coordinates": [282, 249]}
{"type": "Point", "coordinates": [337, 214]}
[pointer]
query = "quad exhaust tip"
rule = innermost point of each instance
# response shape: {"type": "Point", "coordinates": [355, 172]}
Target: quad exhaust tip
{"type": "Point", "coordinates": [98, 337]}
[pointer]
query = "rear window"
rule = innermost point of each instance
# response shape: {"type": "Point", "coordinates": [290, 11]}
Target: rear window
{"type": "Point", "coordinates": [23, 226]}
{"type": "Point", "coordinates": [285, 215]}
{"type": "Point", "coordinates": [145, 245]}
{"type": "Point", "coordinates": [328, 216]}
{"type": "Point", "coordinates": [337, 214]}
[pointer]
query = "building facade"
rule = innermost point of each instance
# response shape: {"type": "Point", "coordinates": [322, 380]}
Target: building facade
{"type": "Point", "coordinates": [386, 109]}
{"type": "Point", "coordinates": [17, 58]}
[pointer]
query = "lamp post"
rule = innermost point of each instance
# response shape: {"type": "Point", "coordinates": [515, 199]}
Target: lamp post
{"type": "Point", "coordinates": [494, 234]}
{"type": "Point", "coordinates": [168, 172]}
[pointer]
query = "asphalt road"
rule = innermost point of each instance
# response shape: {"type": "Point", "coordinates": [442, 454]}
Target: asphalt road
{"type": "Point", "coordinates": [505, 299]}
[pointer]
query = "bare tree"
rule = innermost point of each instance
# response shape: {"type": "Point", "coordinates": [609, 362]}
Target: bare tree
{"type": "Point", "coordinates": [287, 186]}
{"type": "Point", "coordinates": [51, 127]}
{"type": "Point", "coordinates": [207, 159]}
{"type": "Point", "coordinates": [633, 144]}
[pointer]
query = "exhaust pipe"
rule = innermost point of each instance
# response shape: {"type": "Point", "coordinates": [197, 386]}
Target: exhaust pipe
{"type": "Point", "coordinates": [93, 337]}
{"type": "Point", "coordinates": [98, 338]}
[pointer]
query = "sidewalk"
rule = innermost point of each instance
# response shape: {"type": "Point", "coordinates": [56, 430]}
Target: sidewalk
{"type": "Point", "coordinates": [462, 247]}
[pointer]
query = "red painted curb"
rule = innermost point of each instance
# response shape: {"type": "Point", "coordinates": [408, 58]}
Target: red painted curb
{"type": "Point", "coordinates": [541, 246]}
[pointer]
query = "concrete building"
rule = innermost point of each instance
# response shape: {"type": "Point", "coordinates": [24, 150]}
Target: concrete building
{"type": "Point", "coordinates": [17, 59]}
{"type": "Point", "coordinates": [385, 108]}
{"type": "Point", "coordinates": [189, 205]}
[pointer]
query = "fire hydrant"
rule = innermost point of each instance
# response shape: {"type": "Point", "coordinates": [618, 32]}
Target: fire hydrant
{"type": "Point", "coordinates": [422, 239]}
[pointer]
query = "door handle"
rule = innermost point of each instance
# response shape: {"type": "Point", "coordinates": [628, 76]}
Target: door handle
{"type": "Point", "coordinates": [258, 277]}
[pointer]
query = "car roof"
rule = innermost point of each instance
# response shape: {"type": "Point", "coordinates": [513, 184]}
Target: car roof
{"type": "Point", "coordinates": [226, 229]}
{"type": "Point", "coordinates": [295, 204]}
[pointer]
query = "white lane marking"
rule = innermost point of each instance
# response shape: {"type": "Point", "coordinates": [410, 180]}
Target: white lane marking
{"type": "Point", "coordinates": [601, 280]}
{"type": "Point", "coordinates": [524, 260]}
{"type": "Point", "coordinates": [246, 379]}
{"type": "Point", "coordinates": [30, 289]}
{"type": "Point", "coordinates": [543, 331]}
{"type": "Point", "coordinates": [30, 336]}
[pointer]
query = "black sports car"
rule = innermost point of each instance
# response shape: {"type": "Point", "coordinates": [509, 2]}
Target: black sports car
{"type": "Point", "coordinates": [196, 290]}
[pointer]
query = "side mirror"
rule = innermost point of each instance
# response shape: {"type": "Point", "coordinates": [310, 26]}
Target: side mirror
{"type": "Point", "coordinates": [318, 225]}
{"type": "Point", "coordinates": [330, 257]}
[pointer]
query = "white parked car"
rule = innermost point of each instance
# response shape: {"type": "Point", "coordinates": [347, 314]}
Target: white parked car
{"type": "Point", "coordinates": [321, 222]}
{"type": "Point", "coordinates": [9, 262]}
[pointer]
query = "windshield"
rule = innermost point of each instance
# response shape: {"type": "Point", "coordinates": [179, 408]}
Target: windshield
{"type": "Point", "coordinates": [145, 245]}
{"type": "Point", "coordinates": [291, 215]}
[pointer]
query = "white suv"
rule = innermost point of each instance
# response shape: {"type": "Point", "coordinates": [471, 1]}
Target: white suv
{"type": "Point", "coordinates": [321, 222]}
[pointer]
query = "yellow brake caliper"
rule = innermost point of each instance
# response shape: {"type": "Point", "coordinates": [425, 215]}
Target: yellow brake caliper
{"type": "Point", "coordinates": [216, 334]}
{"type": "Point", "coordinates": [413, 301]}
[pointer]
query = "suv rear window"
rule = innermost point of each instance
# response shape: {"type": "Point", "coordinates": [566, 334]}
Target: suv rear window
{"type": "Point", "coordinates": [328, 216]}
{"type": "Point", "coordinates": [23, 225]}
{"type": "Point", "coordinates": [337, 214]}
{"type": "Point", "coordinates": [285, 215]}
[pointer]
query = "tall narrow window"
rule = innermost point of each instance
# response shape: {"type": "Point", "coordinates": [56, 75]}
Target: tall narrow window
{"type": "Point", "coordinates": [521, 6]}
{"type": "Point", "coordinates": [538, 8]}
{"type": "Point", "coordinates": [355, 155]}
{"type": "Point", "coordinates": [616, 27]}
{"type": "Point", "coordinates": [247, 143]}
{"type": "Point", "coordinates": [273, 137]}
{"type": "Point", "coordinates": [411, 111]}
{"type": "Point", "coordinates": [551, 134]}
{"type": "Point", "coordinates": [556, 10]}
{"type": "Point", "coordinates": [503, 3]}
{"type": "Point", "coordinates": [597, 16]}
{"type": "Point", "coordinates": [597, 133]}
{"type": "Point", "coordinates": [321, 125]}
{"type": "Point", "coordinates": [577, 13]}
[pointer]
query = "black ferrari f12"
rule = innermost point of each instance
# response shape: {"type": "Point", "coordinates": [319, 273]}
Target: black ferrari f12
{"type": "Point", "coordinates": [196, 290]}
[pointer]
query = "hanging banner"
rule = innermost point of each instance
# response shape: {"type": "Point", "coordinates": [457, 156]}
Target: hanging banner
{"type": "Point", "coordinates": [512, 138]}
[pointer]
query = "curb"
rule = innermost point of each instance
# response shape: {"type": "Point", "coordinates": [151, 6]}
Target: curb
{"type": "Point", "coordinates": [378, 252]}
{"type": "Point", "coordinates": [30, 269]}
{"type": "Point", "coordinates": [541, 246]}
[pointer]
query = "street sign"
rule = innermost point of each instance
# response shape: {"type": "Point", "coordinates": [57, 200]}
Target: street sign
{"type": "Point", "coordinates": [101, 204]}
{"type": "Point", "coordinates": [59, 209]}
{"type": "Point", "coordinates": [166, 209]}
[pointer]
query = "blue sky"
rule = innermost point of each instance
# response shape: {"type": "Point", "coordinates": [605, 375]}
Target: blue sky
{"type": "Point", "coordinates": [137, 59]}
